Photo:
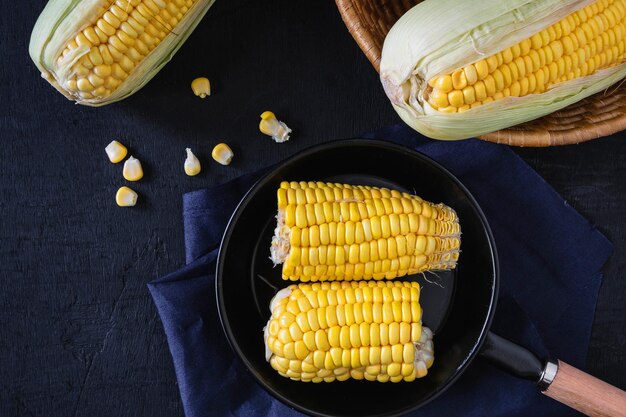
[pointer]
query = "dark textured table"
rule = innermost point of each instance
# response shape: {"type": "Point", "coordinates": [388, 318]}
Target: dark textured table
{"type": "Point", "coordinates": [79, 335]}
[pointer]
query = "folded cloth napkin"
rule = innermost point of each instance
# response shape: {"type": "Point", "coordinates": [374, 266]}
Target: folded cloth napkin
{"type": "Point", "coordinates": [550, 264]}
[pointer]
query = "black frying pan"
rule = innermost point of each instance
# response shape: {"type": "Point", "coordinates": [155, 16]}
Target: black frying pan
{"type": "Point", "coordinates": [458, 305]}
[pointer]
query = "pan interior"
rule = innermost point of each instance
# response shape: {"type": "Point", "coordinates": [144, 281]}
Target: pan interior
{"type": "Point", "coordinates": [457, 304]}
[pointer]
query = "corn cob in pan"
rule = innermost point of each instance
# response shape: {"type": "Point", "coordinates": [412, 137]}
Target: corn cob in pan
{"type": "Point", "coordinates": [329, 232]}
{"type": "Point", "coordinates": [339, 330]}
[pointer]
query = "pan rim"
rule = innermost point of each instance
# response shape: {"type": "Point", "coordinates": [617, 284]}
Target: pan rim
{"type": "Point", "coordinates": [374, 143]}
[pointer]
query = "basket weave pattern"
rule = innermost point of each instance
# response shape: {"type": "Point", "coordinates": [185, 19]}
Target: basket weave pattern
{"type": "Point", "coordinates": [599, 115]}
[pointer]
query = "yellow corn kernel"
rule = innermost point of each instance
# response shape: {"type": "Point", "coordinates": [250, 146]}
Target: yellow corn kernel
{"type": "Point", "coordinates": [222, 154]}
{"type": "Point", "coordinates": [132, 169]}
{"type": "Point", "coordinates": [192, 164]}
{"type": "Point", "coordinates": [201, 87]}
{"type": "Point", "coordinates": [125, 197]}
{"type": "Point", "coordinates": [116, 151]}
{"type": "Point", "coordinates": [271, 126]}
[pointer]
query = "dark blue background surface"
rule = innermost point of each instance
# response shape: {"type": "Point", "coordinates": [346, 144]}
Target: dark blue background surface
{"type": "Point", "coordinates": [80, 335]}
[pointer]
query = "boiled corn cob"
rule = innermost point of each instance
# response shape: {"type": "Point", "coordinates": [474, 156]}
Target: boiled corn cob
{"type": "Point", "coordinates": [523, 59]}
{"type": "Point", "coordinates": [333, 331]}
{"type": "Point", "coordinates": [99, 51]}
{"type": "Point", "coordinates": [331, 232]}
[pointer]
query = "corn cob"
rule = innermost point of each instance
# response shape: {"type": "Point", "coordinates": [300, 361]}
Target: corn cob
{"type": "Point", "coordinates": [331, 232]}
{"type": "Point", "coordinates": [339, 330]}
{"type": "Point", "coordinates": [504, 63]}
{"type": "Point", "coordinates": [100, 51]}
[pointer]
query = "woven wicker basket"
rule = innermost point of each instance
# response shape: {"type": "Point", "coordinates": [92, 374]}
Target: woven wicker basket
{"type": "Point", "coordinates": [599, 115]}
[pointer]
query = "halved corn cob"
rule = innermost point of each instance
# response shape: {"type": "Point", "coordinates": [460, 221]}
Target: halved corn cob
{"type": "Point", "coordinates": [501, 62]}
{"type": "Point", "coordinates": [100, 51]}
{"type": "Point", "coordinates": [339, 330]}
{"type": "Point", "coordinates": [331, 232]}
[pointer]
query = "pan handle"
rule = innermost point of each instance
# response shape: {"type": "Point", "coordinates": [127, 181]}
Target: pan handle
{"type": "Point", "coordinates": [557, 380]}
{"type": "Point", "coordinates": [583, 392]}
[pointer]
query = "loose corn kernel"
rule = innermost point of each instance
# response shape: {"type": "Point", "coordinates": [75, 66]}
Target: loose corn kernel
{"type": "Point", "coordinates": [132, 169]}
{"type": "Point", "coordinates": [273, 127]}
{"type": "Point", "coordinates": [125, 197]}
{"type": "Point", "coordinates": [116, 151]}
{"type": "Point", "coordinates": [192, 164]}
{"type": "Point", "coordinates": [222, 153]}
{"type": "Point", "coordinates": [201, 87]}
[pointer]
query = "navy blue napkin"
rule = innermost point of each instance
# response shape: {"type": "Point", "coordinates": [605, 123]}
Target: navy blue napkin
{"type": "Point", "coordinates": [550, 260]}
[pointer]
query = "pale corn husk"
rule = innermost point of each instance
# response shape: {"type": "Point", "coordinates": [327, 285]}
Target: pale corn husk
{"type": "Point", "coordinates": [439, 36]}
{"type": "Point", "coordinates": [61, 20]}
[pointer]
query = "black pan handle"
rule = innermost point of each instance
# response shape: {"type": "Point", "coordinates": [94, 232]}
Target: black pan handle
{"type": "Point", "coordinates": [512, 358]}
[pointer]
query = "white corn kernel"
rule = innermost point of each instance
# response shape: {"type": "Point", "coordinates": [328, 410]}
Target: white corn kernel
{"type": "Point", "coordinates": [116, 151]}
{"type": "Point", "coordinates": [222, 153]}
{"type": "Point", "coordinates": [125, 197]}
{"type": "Point", "coordinates": [192, 164]}
{"type": "Point", "coordinates": [273, 127]}
{"type": "Point", "coordinates": [132, 169]}
{"type": "Point", "coordinates": [201, 87]}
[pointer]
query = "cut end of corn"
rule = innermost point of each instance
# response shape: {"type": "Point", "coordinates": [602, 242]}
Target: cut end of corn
{"type": "Point", "coordinates": [116, 151]}
{"type": "Point", "coordinates": [336, 331]}
{"type": "Point", "coordinates": [192, 164]}
{"type": "Point", "coordinates": [271, 126]}
{"type": "Point", "coordinates": [328, 232]}
{"type": "Point", "coordinates": [132, 169]}
{"type": "Point", "coordinates": [587, 40]}
{"type": "Point", "coordinates": [201, 87]}
{"type": "Point", "coordinates": [126, 197]}
{"type": "Point", "coordinates": [222, 154]}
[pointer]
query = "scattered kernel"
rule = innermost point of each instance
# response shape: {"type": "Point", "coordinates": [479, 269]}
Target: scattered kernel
{"type": "Point", "coordinates": [222, 154]}
{"type": "Point", "coordinates": [192, 164]}
{"type": "Point", "coordinates": [125, 197]}
{"type": "Point", "coordinates": [201, 87]}
{"type": "Point", "coordinates": [273, 127]}
{"type": "Point", "coordinates": [116, 151]}
{"type": "Point", "coordinates": [132, 169]}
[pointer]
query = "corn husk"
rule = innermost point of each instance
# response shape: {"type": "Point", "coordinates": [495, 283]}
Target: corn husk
{"type": "Point", "coordinates": [61, 20]}
{"type": "Point", "coordinates": [439, 36]}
